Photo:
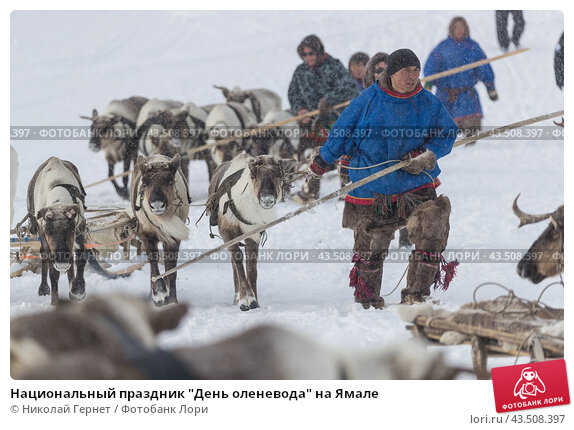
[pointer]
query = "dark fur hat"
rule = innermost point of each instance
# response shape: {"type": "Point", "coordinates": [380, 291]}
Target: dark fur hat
{"type": "Point", "coordinates": [369, 76]}
{"type": "Point", "coordinates": [312, 42]}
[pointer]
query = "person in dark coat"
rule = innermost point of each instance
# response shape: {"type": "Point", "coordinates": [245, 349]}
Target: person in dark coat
{"type": "Point", "coordinates": [559, 63]}
{"type": "Point", "coordinates": [320, 82]}
{"type": "Point", "coordinates": [393, 120]}
{"type": "Point", "coordinates": [502, 28]}
{"type": "Point", "coordinates": [457, 91]}
{"type": "Point", "coordinates": [357, 64]}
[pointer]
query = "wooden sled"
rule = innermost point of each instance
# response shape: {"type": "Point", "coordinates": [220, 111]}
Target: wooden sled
{"type": "Point", "coordinates": [107, 230]}
{"type": "Point", "coordinates": [507, 326]}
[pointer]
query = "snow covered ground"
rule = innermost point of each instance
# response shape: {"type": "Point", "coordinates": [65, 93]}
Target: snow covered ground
{"type": "Point", "coordinates": [64, 64]}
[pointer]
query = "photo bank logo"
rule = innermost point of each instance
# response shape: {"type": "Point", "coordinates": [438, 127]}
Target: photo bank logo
{"type": "Point", "coordinates": [530, 386]}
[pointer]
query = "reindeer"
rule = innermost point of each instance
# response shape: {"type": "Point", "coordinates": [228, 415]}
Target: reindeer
{"type": "Point", "coordinates": [168, 128]}
{"type": "Point", "coordinates": [241, 197]}
{"type": "Point", "coordinates": [226, 121]}
{"type": "Point", "coordinates": [281, 141]}
{"type": "Point", "coordinates": [160, 201]}
{"type": "Point", "coordinates": [55, 203]}
{"type": "Point", "coordinates": [258, 100]}
{"type": "Point", "coordinates": [188, 132]}
{"type": "Point", "coordinates": [114, 131]}
{"type": "Point", "coordinates": [545, 258]}
{"type": "Point", "coordinates": [101, 337]}
{"type": "Point", "coordinates": [13, 180]}
{"type": "Point", "coordinates": [152, 125]}
{"type": "Point", "coordinates": [115, 337]}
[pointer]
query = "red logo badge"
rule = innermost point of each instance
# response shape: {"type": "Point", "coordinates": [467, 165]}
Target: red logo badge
{"type": "Point", "coordinates": [530, 386]}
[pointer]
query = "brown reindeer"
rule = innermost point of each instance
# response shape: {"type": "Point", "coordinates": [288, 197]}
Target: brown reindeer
{"type": "Point", "coordinates": [101, 337]}
{"type": "Point", "coordinates": [114, 337]}
{"type": "Point", "coordinates": [114, 132]}
{"type": "Point", "coordinates": [545, 258]}
{"type": "Point", "coordinates": [55, 201]}
{"type": "Point", "coordinates": [242, 197]}
{"type": "Point", "coordinates": [160, 200]}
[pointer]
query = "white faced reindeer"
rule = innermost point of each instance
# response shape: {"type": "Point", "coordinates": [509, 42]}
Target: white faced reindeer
{"type": "Point", "coordinates": [260, 101]}
{"type": "Point", "coordinates": [281, 141]}
{"type": "Point", "coordinates": [545, 258]}
{"type": "Point", "coordinates": [55, 202]}
{"type": "Point", "coordinates": [153, 124]}
{"type": "Point", "coordinates": [176, 129]}
{"type": "Point", "coordinates": [242, 197]}
{"type": "Point", "coordinates": [114, 131]}
{"type": "Point", "coordinates": [160, 200]}
{"type": "Point", "coordinates": [226, 121]}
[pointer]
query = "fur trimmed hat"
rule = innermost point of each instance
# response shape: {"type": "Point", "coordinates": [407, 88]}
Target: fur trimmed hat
{"type": "Point", "coordinates": [312, 42]}
{"type": "Point", "coordinates": [400, 59]}
{"type": "Point", "coordinates": [369, 76]}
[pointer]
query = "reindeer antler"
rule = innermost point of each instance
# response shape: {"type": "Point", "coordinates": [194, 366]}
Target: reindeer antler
{"type": "Point", "coordinates": [226, 92]}
{"type": "Point", "coordinates": [527, 218]}
{"type": "Point", "coordinates": [559, 124]}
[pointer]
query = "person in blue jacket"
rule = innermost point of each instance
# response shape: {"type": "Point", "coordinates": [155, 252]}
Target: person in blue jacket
{"type": "Point", "coordinates": [395, 119]}
{"type": "Point", "coordinates": [457, 91]}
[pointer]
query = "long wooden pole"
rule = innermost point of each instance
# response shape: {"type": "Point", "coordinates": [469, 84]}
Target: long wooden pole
{"type": "Point", "coordinates": [348, 188]}
{"type": "Point", "coordinates": [109, 178]}
{"type": "Point", "coordinates": [252, 132]}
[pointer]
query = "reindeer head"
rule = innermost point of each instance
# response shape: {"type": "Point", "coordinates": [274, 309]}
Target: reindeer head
{"type": "Point", "coordinates": [158, 181]}
{"type": "Point", "coordinates": [545, 258]}
{"type": "Point", "coordinates": [187, 129]}
{"type": "Point", "coordinates": [57, 224]}
{"type": "Point", "coordinates": [271, 178]}
{"type": "Point", "coordinates": [104, 130]}
{"type": "Point", "coordinates": [159, 129]}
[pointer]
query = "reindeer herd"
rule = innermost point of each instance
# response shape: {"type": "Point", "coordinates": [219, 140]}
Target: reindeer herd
{"type": "Point", "coordinates": [248, 176]}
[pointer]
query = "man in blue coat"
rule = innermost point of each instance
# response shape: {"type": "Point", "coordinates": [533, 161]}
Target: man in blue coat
{"type": "Point", "coordinates": [393, 120]}
{"type": "Point", "coordinates": [457, 91]}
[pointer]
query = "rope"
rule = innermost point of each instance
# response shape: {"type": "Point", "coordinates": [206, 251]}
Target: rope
{"type": "Point", "coordinates": [398, 283]}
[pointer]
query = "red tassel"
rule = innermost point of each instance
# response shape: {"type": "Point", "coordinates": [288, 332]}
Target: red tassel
{"type": "Point", "coordinates": [362, 292]}
{"type": "Point", "coordinates": [449, 270]}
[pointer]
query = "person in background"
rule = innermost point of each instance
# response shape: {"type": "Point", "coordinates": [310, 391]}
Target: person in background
{"type": "Point", "coordinates": [375, 67]}
{"type": "Point", "coordinates": [357, 68]}
{"type": "Point", "coordinates": [559, 63]}
{"type": "Point", "coordinates": [502, 28]}
{"type": "Point", "coordinates": [357, 64]}
{"type": "Point", "coordinates": [457, 91]}
{"type": "Point", "coordinates": [407, 196]}
{"type": "Point", "coordinates": [320, 82]}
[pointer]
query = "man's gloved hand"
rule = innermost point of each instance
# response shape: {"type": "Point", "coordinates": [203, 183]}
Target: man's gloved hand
{"type": "Point", "coordinates": [493, 95]}
{"type": "Point", "coordinates": [317, 168]}
{"type": "Point", "coordinates": [417, 161]}
{"type": "Point", "coordinates": [324, 106]}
